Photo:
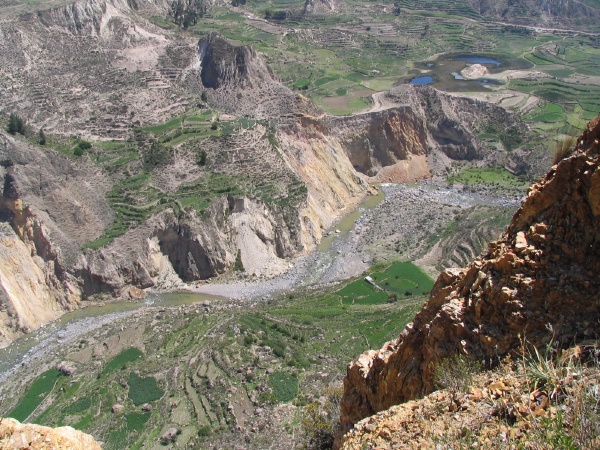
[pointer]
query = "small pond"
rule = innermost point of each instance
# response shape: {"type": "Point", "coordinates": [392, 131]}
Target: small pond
{"type": "Point", "coordinates": [474, 59]}
{"type": "Point", "coordinates": [421, 81]}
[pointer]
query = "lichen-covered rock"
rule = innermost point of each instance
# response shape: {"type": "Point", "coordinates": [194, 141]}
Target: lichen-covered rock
{"type": "Point", "coordinates": [16, 435]}
{"type": "Point", "coordinates": [538, 282]}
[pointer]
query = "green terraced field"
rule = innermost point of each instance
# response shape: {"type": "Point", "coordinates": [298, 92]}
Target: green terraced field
{"type": "Point", "coordinates": [192, 362]}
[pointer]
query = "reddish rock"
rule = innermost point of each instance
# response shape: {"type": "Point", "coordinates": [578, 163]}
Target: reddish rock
{"type": "Point", "coordinates": [538, 282]}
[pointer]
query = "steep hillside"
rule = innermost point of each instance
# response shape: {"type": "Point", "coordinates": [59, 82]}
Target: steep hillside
{"type": "Point", "coordinates": [537, 283]}
{"type": "Point", "coordinates": [213, 164]}
{"type": "Point", "coordinates": [116, 69]}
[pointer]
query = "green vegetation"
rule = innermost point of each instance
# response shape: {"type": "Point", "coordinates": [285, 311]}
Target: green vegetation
{"type": "Point", "coordinates": [285, 386]}
{"type": "Point", "coordinates": [401, 278]}
{"type": "Point", "coordinates": [127, 430]}
{"type": "Point", "coordinates": [321, 420]}
{"type": "Point", "coordinates": [79, 406]}
{"type": "Point", "coordinates": [143, 389]}
{"type": "Point", "coordinates": [120, 361]}
{"type": "Point", "coordinates": [488, 175]}
{"type": "Point", "coordinates": [16, 125]}
{"type": "Point", "coordinates": [37, 392]}
{"type": "Point", "coordinates": [564, 148]}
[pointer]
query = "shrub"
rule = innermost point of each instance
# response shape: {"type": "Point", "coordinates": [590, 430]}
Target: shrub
{"type": "Point", "coordinates": [202, 158]}
{"type": "Point", "coordinates": [78, 151]}
{"type": "Point", "coordinates": [279, 351]}
{"type": "Point", "coordinates": [320, 421]}
{"type": "Point", "coordinates": [143, 390]}
{"type": "Point", "coordinates": [41, 137]}
{"type": "Point", "coordinates": [204, 430]}
{"type": "Point", "coordinates": [456, 374]}
{"type": "Point", "coordinates": [84, 145]}
{"type": "Point", "coordinates": [15, 125]}
{"type": "Point", "coordinates": [238, 266]}
{"type": "Point", "coordinates": [285, 386]}
{"type": "Point", "coordinates": [564, 148]}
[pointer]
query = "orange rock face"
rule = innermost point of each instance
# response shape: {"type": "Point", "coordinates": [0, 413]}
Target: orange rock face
{"type": "Point", "coordinates": [539, 282]}
{"type": "Point", "coordinates": [16, 435]}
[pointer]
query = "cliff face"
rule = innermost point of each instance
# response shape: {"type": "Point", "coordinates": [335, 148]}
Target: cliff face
{"type": "Point", "coordinates": [223, 64]}
{"type": "Point", "coordinates": [26, 300]}
{"type": "Point", "coordinates": [423, 134]}
{"type": "Point", "coordinates": [536, 283]}
{"type": "Point", "coordinates": [14, 434]}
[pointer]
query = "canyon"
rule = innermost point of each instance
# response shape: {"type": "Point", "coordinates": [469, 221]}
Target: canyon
{"type": "Point", "coordinates": [56, 204]}
{"type": "Point", "coordinates": [210, 208]}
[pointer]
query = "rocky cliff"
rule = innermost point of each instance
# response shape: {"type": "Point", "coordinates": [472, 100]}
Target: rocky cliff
{"type": "Point", "coordinates": [14, 434]}
{"type": "Point", "coordinates": [536, 284]}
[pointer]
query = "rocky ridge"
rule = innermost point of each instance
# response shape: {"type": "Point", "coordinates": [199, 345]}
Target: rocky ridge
{"type": "Point", "coordinates": [534, 285]}
{"type": "Point", "coordinates": [422, 134]}
{"type": "Point", "coordinates": [238, 81]}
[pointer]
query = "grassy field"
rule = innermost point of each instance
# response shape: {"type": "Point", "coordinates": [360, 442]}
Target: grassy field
{"type": "Point", "coordinates": [497, 176]}
{"type": "Point", "coordinates": [121, 360]}
{"type": "Point", "coordinates": [37, 392]}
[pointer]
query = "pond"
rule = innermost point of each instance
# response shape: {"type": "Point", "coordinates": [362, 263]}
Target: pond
{"type": "Point", "coordinates": [421, 81]}
{"type": "Point", "coordinates": [445, 71]}
{"type": "Point", "coordinates": [474, 59]}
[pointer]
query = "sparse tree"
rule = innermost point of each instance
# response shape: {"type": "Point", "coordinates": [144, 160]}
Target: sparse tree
{"type": "Point", "coordinates": [41, 137]}
{"type": "Point", "coordinates": [202, 158]}
{"type": "Point", "coordinates": [15, 124]}
{"type": "Point", "coordinates": [186, 13]}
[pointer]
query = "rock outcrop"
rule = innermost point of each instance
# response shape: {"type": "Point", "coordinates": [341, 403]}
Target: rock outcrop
{"type": "Point", "coordinates": [536, 284]}
{"type": "Point", "coordinates": [14, 434]}
{"type": "Point", "coordinates": [223, 64]}
{"type": "Point", "coordinates": [238, 81]}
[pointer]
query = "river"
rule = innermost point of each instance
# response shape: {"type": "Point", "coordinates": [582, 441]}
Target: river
{"type": "Point", "coordinates": [306, 271]}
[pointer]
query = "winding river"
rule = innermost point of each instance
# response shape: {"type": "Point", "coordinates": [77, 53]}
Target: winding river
{"type": "Point", "coordinates": [306, 271]}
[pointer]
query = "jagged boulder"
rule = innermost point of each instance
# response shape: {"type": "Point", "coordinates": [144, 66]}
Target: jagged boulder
{"type": "Point", "coordinates": [14, 434]}
{"type": "Point", "coordinates": [536, 284]}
